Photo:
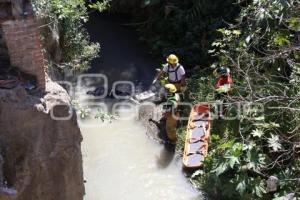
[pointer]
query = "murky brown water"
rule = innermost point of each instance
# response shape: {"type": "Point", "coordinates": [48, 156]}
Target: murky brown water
{"type": "Point", "coordinates": [121, 162]}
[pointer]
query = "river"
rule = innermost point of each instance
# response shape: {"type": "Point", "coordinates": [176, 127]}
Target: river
{"type": "Point", "coordinates": [120, 161]}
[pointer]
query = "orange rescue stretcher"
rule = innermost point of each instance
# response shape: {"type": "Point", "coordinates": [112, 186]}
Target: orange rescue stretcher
{"type": "Point", "coordinates": [197, 136]}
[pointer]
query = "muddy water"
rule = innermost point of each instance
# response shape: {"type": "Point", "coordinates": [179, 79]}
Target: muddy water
{"type": "Point", "coordinates": [120, 161]}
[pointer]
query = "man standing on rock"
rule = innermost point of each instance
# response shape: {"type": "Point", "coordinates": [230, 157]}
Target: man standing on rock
{"type": "Point", "coordinates": [175, 71]}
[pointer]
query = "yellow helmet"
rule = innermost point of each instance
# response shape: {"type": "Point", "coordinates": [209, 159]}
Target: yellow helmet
{"type": "Point", "coordinates": [172, 59]}
{"type": "Point", "coordinates": [171, 88]}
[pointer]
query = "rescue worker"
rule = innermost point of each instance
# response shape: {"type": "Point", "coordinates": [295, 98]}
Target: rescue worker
{"type": "Point", "coordinates": [171, 113]}
{"type": "Point", "coordinates": [175, 71]}
{"type": "Point", "coordinates": [224, 81]}
{"type": "Point", "coordinates": [222, 87]}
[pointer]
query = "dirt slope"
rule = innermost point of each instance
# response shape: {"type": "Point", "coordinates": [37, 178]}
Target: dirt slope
{"type": "Point", "coordinates": [42, 156]}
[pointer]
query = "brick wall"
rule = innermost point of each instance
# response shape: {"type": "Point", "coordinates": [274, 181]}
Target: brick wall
{"type": "Point", "coordinates": [24, 46]}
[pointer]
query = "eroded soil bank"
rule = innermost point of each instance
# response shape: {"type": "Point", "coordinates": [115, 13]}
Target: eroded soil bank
{"type": "Point", "coordinates": [41, 156]}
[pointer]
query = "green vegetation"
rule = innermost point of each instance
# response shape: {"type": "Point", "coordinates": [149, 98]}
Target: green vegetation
{"type": "Point", "coordinates": [262, 50]}
{"type": "Point", "coordinates": [64, 24]}
{"type": "Point", "coordinates": [87, 112]}
{"type": "Point", "coordinates": [186, 28]}
{"type": "Point", "coordinates": [259, 41]}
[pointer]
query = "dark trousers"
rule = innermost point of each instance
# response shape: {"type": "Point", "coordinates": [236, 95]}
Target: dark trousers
{"type": "Point", "coordinates": [222, 107]}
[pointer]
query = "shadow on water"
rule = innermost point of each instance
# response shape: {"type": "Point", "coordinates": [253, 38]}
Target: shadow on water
{"type": "Point", "coordinates": [168, 152]}
{"type": "Point", "coordinates": [165, 157]}
{"type": "Point", "coordinates": [122, 57]}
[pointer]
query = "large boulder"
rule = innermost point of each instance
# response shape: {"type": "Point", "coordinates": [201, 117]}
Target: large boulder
{"type": "Point", "coordinates": [42, 156]}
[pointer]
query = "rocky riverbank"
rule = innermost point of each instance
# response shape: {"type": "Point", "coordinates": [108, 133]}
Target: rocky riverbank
{"type": "Point", "coordinates": [41, 156]}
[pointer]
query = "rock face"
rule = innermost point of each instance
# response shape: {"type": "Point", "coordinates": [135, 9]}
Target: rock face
{"type": "Point", "coordinates": [42, 156]}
